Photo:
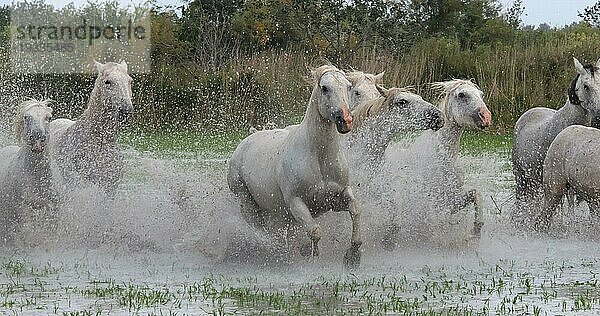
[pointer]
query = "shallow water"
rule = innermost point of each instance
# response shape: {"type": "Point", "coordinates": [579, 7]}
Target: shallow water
{"type": "Point", "coordinates": [172, 242]}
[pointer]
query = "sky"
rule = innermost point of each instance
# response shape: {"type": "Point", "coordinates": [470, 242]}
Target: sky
{"type": "Point", "coordinates": [553, 12]}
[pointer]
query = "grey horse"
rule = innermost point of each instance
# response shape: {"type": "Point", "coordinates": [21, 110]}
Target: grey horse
{"type": "Point", "coordinates": [25, 174]}
{"type": "Point", "coordinates": [285, 177]}
{"type": "Point", "coordinates": [536, 129]}
{"type": "Point", "coordinates": [571, 163]}
{"type": "Point", "coordinates": [86, 151]}
{"type": "Point", "coordinates": [376, 122]}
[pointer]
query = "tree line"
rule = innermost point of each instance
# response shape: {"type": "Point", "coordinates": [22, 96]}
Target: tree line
{"type": "Point", "coordinates": [231, 64]}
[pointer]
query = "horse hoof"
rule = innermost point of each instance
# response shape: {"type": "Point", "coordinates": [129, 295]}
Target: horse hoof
{"type": "Point", "coordinates": [352, 258]}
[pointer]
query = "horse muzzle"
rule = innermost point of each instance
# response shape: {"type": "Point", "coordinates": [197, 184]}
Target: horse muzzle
{"type": "Point", "coordinates": [343, 121]}
{"type": "Point", "coordinates": [483, 117]}
{"type": "Point", "coordinates": [37, 142]}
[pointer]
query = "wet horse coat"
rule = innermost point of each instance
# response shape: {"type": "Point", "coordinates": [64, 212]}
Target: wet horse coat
{"type": "Point", "coordinates": [86, 151]}
{"type": "Point", "coordinates": [571, 162]}
{"type": "Point", "coordinates": [288, 176]}
{"type": "Point", "coordinates": [25, 174]}
{"type": "Point", "coordinates": [536, 129]}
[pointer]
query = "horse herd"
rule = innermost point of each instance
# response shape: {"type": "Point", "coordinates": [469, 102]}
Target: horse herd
{"type": "Point", "coordinates": [286, 178]}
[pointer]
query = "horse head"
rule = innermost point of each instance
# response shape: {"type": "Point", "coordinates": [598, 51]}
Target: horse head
{"type": "Point", "coordinates": [463, 104]}
{"type": "Point", "coordinates": [410, 110]}
{"type": "Point", "coordinates": [364, 87]}
{"type": "Point", "coordinates": [584, 90]}
{"type": "Point", "coordinates": [114, 90]}
{"type": "Point", "coordinates": [332, 90]}
{"type": "Point", "coordinates": [31, 125]}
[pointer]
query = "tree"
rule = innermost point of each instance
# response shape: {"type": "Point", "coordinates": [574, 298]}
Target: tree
{"type": "Point", "coordinates": [514, 13]}
{"type": "Point", "coordinates": [591, 14]}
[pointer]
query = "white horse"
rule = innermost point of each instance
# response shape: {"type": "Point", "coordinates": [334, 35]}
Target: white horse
{"type": "Point", "coordinates": [536, 129]}
{"type": "Point", "coordinates": [288, 176]}
{"type": "Point", "coordinates": [86, 150]}
{"type": "Point", "coordinates": [376, 122]}
{"type": "Point", "coordinates": [432, 158]}
{"type": "Point", "coordinates": [571, 163]}
{"type": "Point", "coordinates": [25, 174]}
{"type": "Point", "coordinates": [364, 87]}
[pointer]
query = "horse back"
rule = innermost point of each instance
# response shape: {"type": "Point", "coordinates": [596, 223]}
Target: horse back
{"type": "Point", "coordinates": [533, 134]}
{"type": "Point", "coordinates": [575, 152]}
{"type": "Point", "coordinates": [57, 128]}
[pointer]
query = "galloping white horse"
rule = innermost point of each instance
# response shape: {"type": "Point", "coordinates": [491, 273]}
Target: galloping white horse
{"type": "Point", "coordinates": [288, 176]}
{"type": "Point", "coordinates": [443, 181]}
{"type": "Point", "coordinates": [25, 175]}
{"type": "Point", "coordinates": [536, 129]}
{"type": "Point", "coordinates": [86, 150]}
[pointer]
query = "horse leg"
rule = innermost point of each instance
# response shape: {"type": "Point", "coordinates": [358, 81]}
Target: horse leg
{"type": "Point", "coordinates": [554, 190]}
{"type": "Point", "coordinates": [301, 213]}
{"type": "Point", "coordinates": [352, 256]}
{"type": "Point", "coordinates": [471, 197]}
{"type": "Point", "coordinates": [477, 201]}
{"type": "Point", "coordinates": [249, 210]}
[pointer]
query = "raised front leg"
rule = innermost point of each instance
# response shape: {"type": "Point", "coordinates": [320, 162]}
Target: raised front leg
{"type": "Point", "coordinates": [474, 197]}
{"type": "Point", "coordinates": [301, 213]}
{"type": "Point", "coordinates": [478, 220]}
{"type": "Point", "coordinates": [352, 256]}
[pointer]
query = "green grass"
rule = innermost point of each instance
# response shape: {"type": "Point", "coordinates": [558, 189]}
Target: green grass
{"type": "Point", "coordinates": [473, 143]}
{"type": "Point", "coordinates": [502, 287]}
{"type": "Point", "coordinates": [184, 142]}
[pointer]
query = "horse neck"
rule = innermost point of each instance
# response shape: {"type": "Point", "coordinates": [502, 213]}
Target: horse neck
{"type": "Point", "coordinates": [95, 123]}
{"type": "Point", "coordinates": [321, 133]}
{"type": "Point", "coordinates": [449, 137]}
{"type": "Point", "coordinates": [570, 114]}
{"type": "Point", "coordinates": [35, 166]}
{"type": "Point", "coordinates": [375, 135]}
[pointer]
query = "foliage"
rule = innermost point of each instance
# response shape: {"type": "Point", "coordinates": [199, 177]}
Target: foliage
{"type": "Point", "coordinates": [229, 65]}
{"type": "Point", "coordinates": [591, 14]}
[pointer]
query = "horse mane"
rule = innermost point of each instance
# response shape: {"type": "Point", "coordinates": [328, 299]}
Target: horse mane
{"type": "Point", "coordinates": [318, 72]}
{"type": "Point", "coordinates": [375, 107]}
{"type": "Point", "coordinates": [356, 76]}
{"type": "Point", "coordinates": [446, 87]}
{"type": "Point", "coordinates": [24, 107]}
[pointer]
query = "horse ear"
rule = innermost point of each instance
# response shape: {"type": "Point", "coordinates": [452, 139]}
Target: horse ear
{"type": "Point", "coordinates": [383, 91]}
{"type": "Point", "coordinates": [379, 76]}
{"type": "Point", "coordinates": [579, 67]}
{"type": "Point", "coordinates": [124, 64]}
{"type": "Point", "coordinates": [598, 63]}
{"type": "Point", "coordinates": [99, 66]}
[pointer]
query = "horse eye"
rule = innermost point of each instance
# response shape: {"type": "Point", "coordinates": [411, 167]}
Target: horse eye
{"type": "Point", "coordinates": [586, 87]}
{"type": "Point", "coordinates": [108, 82]}
{"type": "Point", "coordinates": [461, 95]}
{"type": "Point", "coordinates": [324, 89]}
{"type": "Point", "coordinates": [402, 102]}
{"type": "Point", "coordinates": [357, 93]}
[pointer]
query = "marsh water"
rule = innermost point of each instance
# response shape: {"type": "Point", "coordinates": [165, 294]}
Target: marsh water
{"type": "Point", "coordinates": [172, 243]}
